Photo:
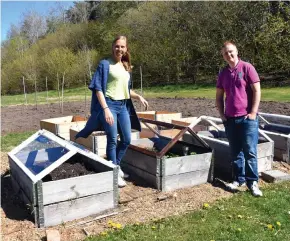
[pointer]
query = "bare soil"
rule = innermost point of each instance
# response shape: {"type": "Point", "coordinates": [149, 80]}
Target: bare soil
{"type": "Point", "coordinates": [27, 118]}
{"type": "Point", "coordinates": [71, 168]}
{"type": "Point", "coordinates": [138, 203]}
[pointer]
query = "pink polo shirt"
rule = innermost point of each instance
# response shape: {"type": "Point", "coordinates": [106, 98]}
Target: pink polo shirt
{"type": "Point", "coordinates": [237, 85]}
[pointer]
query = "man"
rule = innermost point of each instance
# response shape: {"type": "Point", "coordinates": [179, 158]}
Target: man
{"type": "Point", "coordinates": [240, 83]}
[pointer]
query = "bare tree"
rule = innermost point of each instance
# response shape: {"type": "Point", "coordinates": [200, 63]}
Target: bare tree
{"type": "Point", "coordinates": [33, 26]}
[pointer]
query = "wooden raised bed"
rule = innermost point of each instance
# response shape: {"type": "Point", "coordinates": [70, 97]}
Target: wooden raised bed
{"type": "Point", "coordinates": [163, 116]}
{"type": "Point", "coordinates": [60, 126]}
{"type": "Point", "coordinates": [151, 160]}
{"type": "Point", "coordinates": [97, 141]}
{"type": "Point", "coordinates": [36, 168]}
{"type": "Point", "coordinates": [279, 133]}
{"type": "Point", "coordinates": [219, 143]}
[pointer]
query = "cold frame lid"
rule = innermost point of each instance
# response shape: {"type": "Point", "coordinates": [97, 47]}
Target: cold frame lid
{"type": "Point", "coordinates": [42, 152]}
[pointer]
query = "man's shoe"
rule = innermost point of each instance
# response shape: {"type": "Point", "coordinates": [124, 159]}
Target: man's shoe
{"type": "Point", "coordinates": [254, 188]}
{"type": "Point", "coordinates": [122, 174]}
{"type": "Point", "coordinates": [234, 186]}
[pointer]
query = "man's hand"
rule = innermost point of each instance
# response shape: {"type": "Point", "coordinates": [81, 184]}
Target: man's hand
{"type": "Point", "coordinates": [251, 116]}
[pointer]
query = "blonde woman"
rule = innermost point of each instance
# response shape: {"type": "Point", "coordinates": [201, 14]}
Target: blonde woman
{"type": "Point", "coordinates": [111, 107]}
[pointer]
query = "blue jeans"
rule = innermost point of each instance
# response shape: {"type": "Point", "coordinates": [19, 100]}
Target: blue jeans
{"type": "Point", "coordinates": [243, 139]}
{"type": "Point", "coordinates": [116, 150]}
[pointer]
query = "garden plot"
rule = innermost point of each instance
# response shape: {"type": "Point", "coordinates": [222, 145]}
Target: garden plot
{"type": "Point", "coordinates": [59, 181]}
{"type": "Point", "coordinates": [97, 141]}
{"type": "Point", "coordinates": [60, 126]}
{"type": "Point", "coordinates": [278, 132]}
{"type": "Point", "coordinates": [163, 116]}
{"type": "Point", "coordinates": [218, 141]}
{"type": "Point", "coordinates": [167, 163]}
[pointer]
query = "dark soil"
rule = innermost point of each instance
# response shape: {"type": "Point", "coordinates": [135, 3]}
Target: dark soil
{"type": "Point", "coordinates": [71, 168]}
{"type": "Point", "coordinates": [22, 119]}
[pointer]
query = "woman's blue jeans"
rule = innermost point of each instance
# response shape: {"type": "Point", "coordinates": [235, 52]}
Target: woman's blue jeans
{"type": "Point", "coordinates": [243, 139]}
{"type": "Point", "coordinates": [116, 150]}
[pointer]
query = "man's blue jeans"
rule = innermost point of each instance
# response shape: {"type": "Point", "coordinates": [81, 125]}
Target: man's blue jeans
{"type": "Point", "coordinates": [116, 150]}
{"type": "Point", "coordinates": [243, 139]}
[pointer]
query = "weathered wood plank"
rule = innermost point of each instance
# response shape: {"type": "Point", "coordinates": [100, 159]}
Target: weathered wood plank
{"type": "Point", "coordinates": [72, 188]}
{"type": "Point", "coordinates": [141, 161]}
{"type": "Point", "coordinates": [86, 142]}
{"type": "Point", "coordinates": [183, 180]}
{"type": "Point", "coordinates": [167, 116]}
{"type": "Point", "coordinates": [149, 178]}
{"type": "Point", "coordinates": [77, 208]}
{"type": "Point", "coordinates": [265, 149]}
{"type": "Point", "coordinates": [279, 140]}
{"type": "Point", "coordinates": [265, 163]}
{"type": "Point", "coordinates": [183, 164]}
{"type": "Point", "coordinates": [23, 180]}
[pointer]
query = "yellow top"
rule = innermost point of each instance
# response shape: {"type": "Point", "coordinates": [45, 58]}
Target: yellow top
{"type": "Point", "coordinates": [118, 80]}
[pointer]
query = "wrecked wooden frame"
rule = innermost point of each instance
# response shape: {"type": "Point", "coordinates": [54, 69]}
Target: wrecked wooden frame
{"type": "Point", "coordinates": [182, 129]}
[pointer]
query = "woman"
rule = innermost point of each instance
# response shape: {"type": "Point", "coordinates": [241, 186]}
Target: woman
{"type": "Point", "coordinates": [111, 108]}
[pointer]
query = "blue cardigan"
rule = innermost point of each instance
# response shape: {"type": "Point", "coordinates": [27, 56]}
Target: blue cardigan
{"type": "Point", "coordinates": [99, 83]}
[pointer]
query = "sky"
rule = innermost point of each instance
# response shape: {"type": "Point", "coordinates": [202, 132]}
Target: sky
{"type": "Point", "coordinates": [12, 11]}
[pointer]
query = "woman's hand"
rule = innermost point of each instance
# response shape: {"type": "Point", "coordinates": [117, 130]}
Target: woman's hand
{"type": "Point", "coordinates": [108, 116]}
{"type": "Point", "coordinates": [144, 102]}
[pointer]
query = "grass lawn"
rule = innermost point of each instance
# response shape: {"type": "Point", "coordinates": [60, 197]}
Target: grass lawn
{"type": "Point", "coordinates": [187, 91]}
{"type": "Point", "coordinates": [9, 141]}
{"type": "Point", "coordinates": [241, 218]}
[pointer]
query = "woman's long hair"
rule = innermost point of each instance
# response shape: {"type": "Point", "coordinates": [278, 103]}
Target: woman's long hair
{"type": "Point", "coordinates": [126, 58]}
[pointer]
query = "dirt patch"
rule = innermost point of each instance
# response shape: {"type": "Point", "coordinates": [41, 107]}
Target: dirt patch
{"type": "Point", "coordinates": [22, 118]}
{"type": "Point", "coordinates": [71, 168]}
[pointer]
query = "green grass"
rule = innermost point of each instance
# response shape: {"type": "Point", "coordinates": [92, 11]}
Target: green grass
{"type": "Point", "coordinates": [9, 141]}
{"type": "Point", "coordinates": [280, 94]}
{"type": "Point", "coordinates": [240, 218]}
{"type": "Point", "coordinates": [76, 94]}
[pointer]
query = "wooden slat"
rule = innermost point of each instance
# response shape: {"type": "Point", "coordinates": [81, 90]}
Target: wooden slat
{"type": "Point", "coordinates": [184, 180]}
{"type": "Point", "coordinates": [23, 180]}
{"type": "Point", "coordinates": [178, 165]}
{"type": "Point", "coordinates": [265, 149]}
{"type": "Point", "coordinates": [167, 116]}
{"type": "Point", "coordinates": [72, 188]}
{"type": "Point", "coordinates": [265, 163]}
{"type": "Point", "coordinates": [86, 142]}
{"type": "Point", "coordinates": [78, 208]}
{"type": "Point", "coordinates": [100, 144]}
{"type": "Point", "coordinates": [279, 140]}
{"type": "Point", "coordinates": [141, 161]}
{"type": "Point", "coordinates": [149, 178]}
{"type": "Point", "coordinates": [48, 126]}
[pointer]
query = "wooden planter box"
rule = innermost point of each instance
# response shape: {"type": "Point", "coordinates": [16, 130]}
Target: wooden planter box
{"type": "Point", "coordinates": [281, 145]}
{"type": "Point", "coordinates": [223, 162]}
{"type": "Point", "coordinates": [97, 141]}
{"type": "Point", "coordinates": [279, 133]}
{"type": "Point", "coordinates": [55, 202]}
{"type": "Point", "coordinates": [164, 172]}
{"type": "Point", "coordinates": [163, 116]}
{"type": "Point", "coordinates": [60, 126]}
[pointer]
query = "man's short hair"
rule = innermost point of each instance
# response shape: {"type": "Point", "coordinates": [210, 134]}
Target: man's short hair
{"type": "Point", "coordinates": [228, 42]}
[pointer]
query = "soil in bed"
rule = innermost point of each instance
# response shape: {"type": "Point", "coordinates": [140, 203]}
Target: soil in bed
{"type": "Point", "coordinates": [69, 169]}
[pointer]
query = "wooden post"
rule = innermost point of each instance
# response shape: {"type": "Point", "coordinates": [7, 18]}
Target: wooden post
{"type": "Point", "coordinates": [141, 78]}
{"type": "Point", "coordinates": [62, 87]}
{"type": "Point", "coordinates": [35, 94]}
{"type": "Point", "coordinates": [46, 90]}
{"type": "Point", "coordinates": [58, 90]}
{"type": "Point", "coordinates": [85, 98]}
{"type": "Point", "coordinates": [25, 97]}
